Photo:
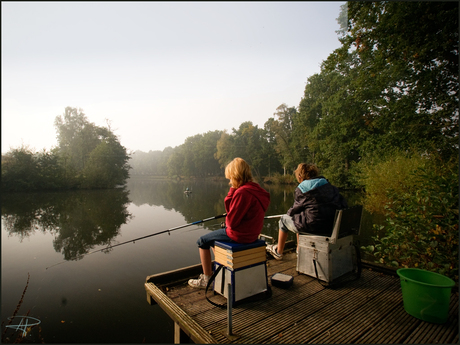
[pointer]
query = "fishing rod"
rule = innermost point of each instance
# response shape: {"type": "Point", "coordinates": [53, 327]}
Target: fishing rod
{"type": "Point", "coordinates": [158, 233]}
{"type": "Point", "coordinates": [146, 236]}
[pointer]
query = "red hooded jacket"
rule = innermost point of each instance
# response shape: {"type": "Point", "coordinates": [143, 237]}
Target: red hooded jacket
{"type": "Point", "coordinates": [246, 208]}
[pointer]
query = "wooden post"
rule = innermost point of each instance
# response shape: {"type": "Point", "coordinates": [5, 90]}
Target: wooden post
{"type": "Point", "coordinates": [150, 300]}
{"type": "Point", "coordinates": [180, 337]}
{"type": "Point", "coordinates": [229, 309]}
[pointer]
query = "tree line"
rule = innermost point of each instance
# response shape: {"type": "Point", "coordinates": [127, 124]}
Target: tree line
{"type": "Point", "coordinates": [391, 86]}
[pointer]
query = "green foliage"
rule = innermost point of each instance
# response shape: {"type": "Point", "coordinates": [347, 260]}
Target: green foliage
{"type": "Point", "coordinates": [77, 137]}
{"type": "Point", "coordinates": [93, 156]}
{"type": "Point", "coordinates": [250, 143]}
{"type": "Point", "coordinates": [19, 169]}
{"type": "Point", "coordinates": [384, 177]}
{"type": "Point", "coordinates": [392, 84]}
{"type": "Point", "coordinates": [407, 64]}
{"type": "Point", "coordinates": [225, 149]}
{"type": "Point", "coordinates": [421, 209]}
{"type": "Point", "coordinates": [278, 178]}
{"type": "Point", "coordinates": [195, 157]}
{"type": "Point", "coordinates": [282, 128]}
{"type": "Point", "coordinates": [107, 165]}
{"type": "Point", "coordinates": [23, 169]}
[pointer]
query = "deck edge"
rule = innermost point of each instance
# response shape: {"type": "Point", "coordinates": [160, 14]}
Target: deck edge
{"type": "Point", "coordinates": [174, 275]}
{"type": "Point", "coordinates": [190, 327]}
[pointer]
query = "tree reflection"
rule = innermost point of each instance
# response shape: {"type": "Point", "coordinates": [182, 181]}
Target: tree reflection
{"type": "Point", "coordinates": [82, 220]}
{"type": "Point", "coordinates": [79, 220]}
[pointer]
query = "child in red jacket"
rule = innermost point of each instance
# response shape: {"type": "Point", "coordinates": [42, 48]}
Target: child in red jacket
{"type": "Point", "coordinates": [245, 204]}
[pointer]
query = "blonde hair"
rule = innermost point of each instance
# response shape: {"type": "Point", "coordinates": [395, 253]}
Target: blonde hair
{"type": "Point", "coordinates": [238, 172]}
{"type": "Point", "coordinates": [306, 171]}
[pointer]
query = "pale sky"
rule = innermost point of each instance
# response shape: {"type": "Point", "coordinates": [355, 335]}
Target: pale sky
{"type": "Point", "coordinates": [159, 71]}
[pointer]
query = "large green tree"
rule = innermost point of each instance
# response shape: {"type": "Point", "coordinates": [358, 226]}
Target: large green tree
{"type": "Point", "coordinates": [225, 149]}
{"type": "Point", "coordinates": [205, 150]}
{"type": "Point", "coordinates": [392, 83]}
{"type": "Point", "coordinates": [281, 127]}
{"type": "Point", "coordinates": [91, 154]}
{"type": "Point", "coordinates": [77, 137]}
{"type": "Point", "coordinates": [107, 165]}
{"type": "Point", "coordinates": [407, 64]}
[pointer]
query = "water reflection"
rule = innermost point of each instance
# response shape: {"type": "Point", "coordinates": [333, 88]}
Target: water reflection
{"type": "Point", "coordinates": [79, 220]}
{"type": "Point", "coordinates": [82, 220]}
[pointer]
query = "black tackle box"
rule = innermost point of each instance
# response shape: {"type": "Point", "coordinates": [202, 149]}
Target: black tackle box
{"type": "Point", "coordinates": [282, 280]}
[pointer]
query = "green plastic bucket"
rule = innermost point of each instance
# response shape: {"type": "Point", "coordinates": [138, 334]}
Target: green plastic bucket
{"type": "Point", "coordinates": [426, 295]}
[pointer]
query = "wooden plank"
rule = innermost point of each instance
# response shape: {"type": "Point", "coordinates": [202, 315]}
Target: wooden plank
{"type": "Point", "coordinates": [359, 321]}
{"type": "Point", "coordinates": [452, 330]}
{"type": "Point", "coordinates": [186, 323]}
{"type": "Point", "coordinates": [392, 329]}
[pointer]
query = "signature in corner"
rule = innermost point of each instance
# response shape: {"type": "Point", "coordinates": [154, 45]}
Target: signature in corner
{"type": "Point", "coordinates": [26, 322]}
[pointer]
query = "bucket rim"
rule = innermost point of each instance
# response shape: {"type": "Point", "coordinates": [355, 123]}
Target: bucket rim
{"type": "Point", "coordinates": [402, 270]}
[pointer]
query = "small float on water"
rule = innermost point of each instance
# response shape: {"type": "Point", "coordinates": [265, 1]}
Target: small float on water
{"type": "Point", "coordinates": [187, 191]}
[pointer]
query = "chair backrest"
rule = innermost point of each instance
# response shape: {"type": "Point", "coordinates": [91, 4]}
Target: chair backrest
{"type": "Point", "coordinates": [347, 222]}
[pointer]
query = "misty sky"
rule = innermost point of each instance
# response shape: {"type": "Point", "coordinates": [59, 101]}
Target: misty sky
{"type": "Point", "coordinates": [160, 72]}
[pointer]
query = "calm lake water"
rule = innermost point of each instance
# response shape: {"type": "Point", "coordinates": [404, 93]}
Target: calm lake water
{"type": "Point", "coordinates": [100, 298]}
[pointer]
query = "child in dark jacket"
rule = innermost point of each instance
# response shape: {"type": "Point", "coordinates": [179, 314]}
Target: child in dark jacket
{"type": "Point", "coordinates": [315, 203]}
{"type": "Point", "coordinates": [245, 203]}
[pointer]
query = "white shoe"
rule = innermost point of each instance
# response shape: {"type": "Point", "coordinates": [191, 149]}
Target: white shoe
{"type": "Point", "coordinates": [273, 250]}
{"type": "Point", "coordinates": [199, 283]}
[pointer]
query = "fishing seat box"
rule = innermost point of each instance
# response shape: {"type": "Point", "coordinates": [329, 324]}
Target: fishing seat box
{"type": "Point", "coordinates": [335, 255]}
{"type": "Point", "coordinates": [244, 266]}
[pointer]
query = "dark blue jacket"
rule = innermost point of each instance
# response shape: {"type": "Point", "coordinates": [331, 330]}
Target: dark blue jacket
{"type": "Point", "coordinates": [314, 211]}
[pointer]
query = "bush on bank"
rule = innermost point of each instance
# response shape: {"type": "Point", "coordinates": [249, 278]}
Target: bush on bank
{"type": "Point", "coordinates": [418, 195]}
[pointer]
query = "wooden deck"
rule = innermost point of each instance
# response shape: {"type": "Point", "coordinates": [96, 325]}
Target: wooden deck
{"type": "Point", "coordinates": [368, 310]}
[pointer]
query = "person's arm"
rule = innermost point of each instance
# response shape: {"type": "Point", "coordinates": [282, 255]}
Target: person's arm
{"type": "Point", "coordinates": [299, 203]}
